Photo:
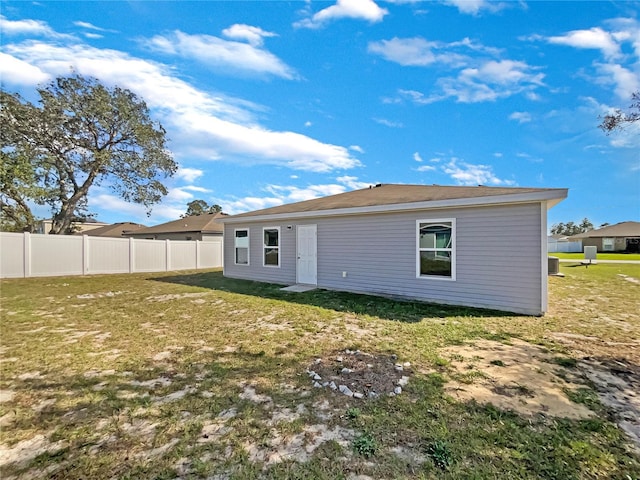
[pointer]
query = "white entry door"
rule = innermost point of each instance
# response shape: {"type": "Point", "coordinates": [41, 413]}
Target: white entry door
{"type": "Point", "coordinates": [307, 262]}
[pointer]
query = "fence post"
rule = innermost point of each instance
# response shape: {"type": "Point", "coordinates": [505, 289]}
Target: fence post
{"type": "Point", "coordinates": [132, 253]}
{"type": "Point", "coordinates": [197, 254]}
{"type": "Point", "coordinates": [27, 254]}
{"type": "Point", "coordinates": [85, 254]}
{"type": "Point", "coordinates": [167, 246]}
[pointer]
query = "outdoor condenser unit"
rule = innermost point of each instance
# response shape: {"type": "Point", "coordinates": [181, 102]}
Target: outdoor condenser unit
{"type": "Point", "coordinates": [554, 266]}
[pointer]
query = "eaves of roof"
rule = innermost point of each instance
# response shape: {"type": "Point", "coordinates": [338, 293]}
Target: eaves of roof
{"type": "Point", "coordinates": [398, 198]}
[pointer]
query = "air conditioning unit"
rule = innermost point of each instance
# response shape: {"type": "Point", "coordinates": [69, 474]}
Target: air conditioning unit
{"type": "Point", "coordinates": [554, 266]}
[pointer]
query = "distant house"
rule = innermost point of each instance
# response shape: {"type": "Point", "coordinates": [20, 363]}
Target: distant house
{"type": "Point", "coordinates": [203, 227]}
{"type": "Point", "coordinates": [114, 230]}
{"type": "Point", "coordinates": [473, 246]}
{"type": "Point", "coordinates": [621, 237]}
{"type": "Point", "coordinates": [44, 226]}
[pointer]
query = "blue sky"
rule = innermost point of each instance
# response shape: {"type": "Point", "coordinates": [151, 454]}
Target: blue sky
{"type": "Point", "coordinates": [267, 103]}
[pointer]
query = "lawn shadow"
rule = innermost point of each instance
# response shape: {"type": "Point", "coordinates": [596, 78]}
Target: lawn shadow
{"type": "Point", "coordinates": [388, 308]}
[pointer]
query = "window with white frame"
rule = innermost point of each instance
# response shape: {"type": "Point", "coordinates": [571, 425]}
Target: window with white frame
{"type": "Point", "coordinates": [241, 246]}
{"type": "Point", "coordinates": [436, 248]}
{"type": "Point", "coordinates": [271, 246]}
{"type": "Point", "coordinates": [608, 244]}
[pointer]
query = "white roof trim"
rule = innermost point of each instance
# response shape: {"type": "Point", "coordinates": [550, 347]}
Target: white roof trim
{"type": "Point", "coordinates": [552, 197]}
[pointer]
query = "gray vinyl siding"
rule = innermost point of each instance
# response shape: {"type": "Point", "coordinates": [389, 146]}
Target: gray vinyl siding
{"type": "Point", "coordinates": [498, 256]}
{"type": "Point", "coordinates": [284, 274]}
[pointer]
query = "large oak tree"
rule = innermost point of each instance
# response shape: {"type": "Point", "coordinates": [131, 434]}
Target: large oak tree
{"type": "Point", "coordinates": [81, 133]}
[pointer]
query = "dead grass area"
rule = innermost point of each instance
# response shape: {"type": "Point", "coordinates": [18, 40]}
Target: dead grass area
{"type": "Point", "coordinates": [198, 376]}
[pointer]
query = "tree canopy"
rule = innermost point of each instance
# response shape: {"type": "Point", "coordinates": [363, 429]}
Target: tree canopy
{"type": "Point", "coordinates": [619, 119]}
{"type": "Point", "coordinates": [199, 207]}
{"type": "Point", "coordinates": [571, 228]}
{"type": "Point", "coordinates": [80, 134]}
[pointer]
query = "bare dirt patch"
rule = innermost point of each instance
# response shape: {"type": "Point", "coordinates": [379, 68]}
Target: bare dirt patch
{"type": "Point", "coordinates": [520, 377]}
{"type": "Point", "coordinates": [618, 386]}
{"type": "Point", "coordinates": [175, 296]}
{"type": "Point", "coordinates": [298, 447]}
{"type": "Point", "coordinates": [25, 451]}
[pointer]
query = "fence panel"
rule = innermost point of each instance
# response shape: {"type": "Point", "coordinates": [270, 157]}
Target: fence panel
{"type": "Point", "coordinates": [11, 255]}
{"type": "Point", "coordinates": [210, 254]}
{"type": "Point", "coordinates": [27, 255]}
{"type": "Point", "coordinates": [565, 247]}
{"type": "Point", "coordinates": [182, 255]}
{"type": "Point", "coordinates": [108, 255]}
{"type": "Point", "coordinates": [56, 255]}
{"type": "Point", "coordinates": [150, 256]}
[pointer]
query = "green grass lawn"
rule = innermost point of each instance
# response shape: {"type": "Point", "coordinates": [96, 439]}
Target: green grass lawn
{"type": "Point", "coordinates": [191, 375]}
{"type": "Point", "coordinates": [601, 256]}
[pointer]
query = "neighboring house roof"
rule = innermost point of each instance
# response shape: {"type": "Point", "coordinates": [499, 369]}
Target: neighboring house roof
{"type": "Point", "coordinates": [559, 237]}
{"type": "Point", "coordinates": [391, 197]}
{"type": "Point", "coordinates": [114, 230]}
{"type": "Point", "coordinates": [622, 229]}
{"type": "Point", "coordinates": [205, 223]}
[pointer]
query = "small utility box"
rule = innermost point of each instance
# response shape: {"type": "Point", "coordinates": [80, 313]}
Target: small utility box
{"type": "Point", "coordinates": [590, 255]}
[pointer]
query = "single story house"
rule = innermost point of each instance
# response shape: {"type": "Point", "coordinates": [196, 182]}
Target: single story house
{"type": "Point", "coordinates": [621, 237]}
{"type": "Point", "coordinates": [44, 226]}
{"type": "Point", "coordinates": [115, 230]}
{"type": "Point", "coordinates": [473, 246]}
{"type": "Point", "coordinates": [203, 227]}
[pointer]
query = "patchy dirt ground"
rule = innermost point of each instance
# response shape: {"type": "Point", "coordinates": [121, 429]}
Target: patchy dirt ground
{"type": "Point", "coordinates": [618, 386]}
{"type": "Point", "coordinates": [530, 380]}
{"type": "Point", "coordinates": [519, 377]}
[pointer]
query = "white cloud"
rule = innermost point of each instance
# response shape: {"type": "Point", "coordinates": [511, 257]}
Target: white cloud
{"type": "Point", "coordinates": [594, 38]}
{"type": "Point", "coordinates": [388, 123]}
{"type": "Point", "coordinates": [479, 78]}
{"type": "Point", "coordinates": [488, 82]}
{"type": "Point", "coordinates": [469, 174]}
{"type": "Point", "coordinates": [624, 80]}
{"type": "Point", "coordinates": [91, 26]}
{"type": "Point", "coordinates": [425, 168]}
{"type": "Point", "coordinates": [17, 72]}
{"type": "Point", "coordinates": [193, 188]}
{"type": "Point", "coordinates": [352, 182]}
{"type": "Point", "coordinates": [188, 174]}
{"type": "Point", "coordinates": [520, 117]}
{"type": "Point", "coordinates": [356, 148]}
{"type": "Point", "coordinates": [473, 7]}
{"type": "Point", "coordinates": [307, 123]}
{"type": "Point", "coordinates": [619, 66]}
{"type": "Point", "coordinates": [417, 157]}
{"type": "Point", "coordinates": [492, 80]}
{"type": "Point", "coordinates": [135, 212]}
{"type": "Point", "coordinates": [254, 35]}
{"type": "Point", "coordinates": [177, 194]}
{"type": "Point", "coordinates": [215, 52]}
{"type": "Point", "coordinates": [28, 27]}
{"type": "Point", "coordinates": [200, 124]}
{"type": "Point", "coordinates": [281, 194]}
{"type": "Point", "coordinates": [355, 9]}
{"type": "Point", "coordinates": [416, 51]}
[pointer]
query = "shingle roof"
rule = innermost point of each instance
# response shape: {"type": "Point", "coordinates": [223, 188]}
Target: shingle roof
{"type": "Point", "coordinates": [392, 194]}
{"type": "Point", "coordinates": [622, 229]}
{"type": "Point", "coordinates": [205, 223]}
{"type": "Point", "coordinates": [114, 230]}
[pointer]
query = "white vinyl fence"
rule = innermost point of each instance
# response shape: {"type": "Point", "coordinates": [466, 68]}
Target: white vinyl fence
{"type": "Point", "coordinates": [33, 255]}
{"type": "Point", "coordinates": [565, 247]}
